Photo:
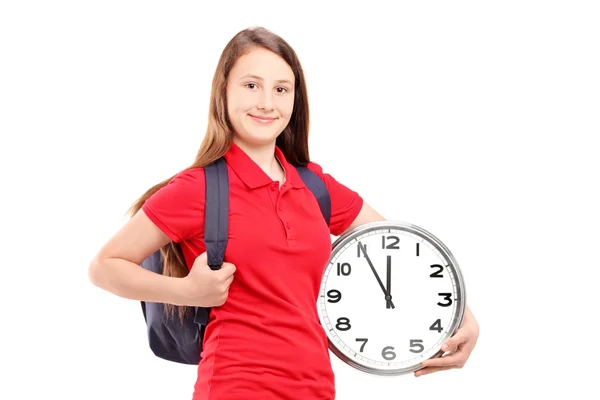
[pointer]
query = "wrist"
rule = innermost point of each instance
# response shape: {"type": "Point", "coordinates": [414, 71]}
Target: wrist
{"type": "Point", "coordinates": [176, 291]}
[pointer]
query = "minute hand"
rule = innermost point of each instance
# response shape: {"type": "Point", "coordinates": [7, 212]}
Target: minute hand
{"type": "Point", "coordinates": [375, 273]}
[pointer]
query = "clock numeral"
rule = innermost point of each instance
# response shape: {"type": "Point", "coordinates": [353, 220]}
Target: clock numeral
{"type": "Point", "coordinates": [394, 245]}
{"type": "Point", "coordinates": [446, 296]}
{"type": "Point", "coordinates": [362, 347]}
{"type": "Point", "coordinates": [388, 353]}
{"type": "Point", "coordinates": [358, 251]}
{"type": "Point", "coordinates": [418, 343]}
{"type": "Point", "coordinates": [343, 269]}
{"type": "Point", "coordinates": [436, 326]}
{"type": "Point", "coordinates": [343, 324]}
{"type": "Point", "coordinates": [438, 273]}
{"type": "Point", "coordinates": [417, 249]}
{"type": "Point", "coordinates": [334, 296]}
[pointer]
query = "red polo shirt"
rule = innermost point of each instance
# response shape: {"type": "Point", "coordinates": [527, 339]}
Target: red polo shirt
{"type": "Point", "coordinates": [266, 341]}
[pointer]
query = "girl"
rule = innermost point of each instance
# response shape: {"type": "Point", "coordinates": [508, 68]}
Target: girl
{"type": "Point", "coordinates": [263, 339]}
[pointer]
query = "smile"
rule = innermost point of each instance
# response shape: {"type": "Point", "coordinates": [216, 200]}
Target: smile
{"type": "Point", "coordinates": [262, 120]}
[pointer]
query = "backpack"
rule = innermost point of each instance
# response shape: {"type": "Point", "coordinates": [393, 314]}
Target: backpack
{"type": "Point", "coordinates": [179, 342]}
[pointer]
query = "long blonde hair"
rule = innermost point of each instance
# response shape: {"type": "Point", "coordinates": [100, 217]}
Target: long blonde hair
{"type": "Point", "coordinates": [293, 141]}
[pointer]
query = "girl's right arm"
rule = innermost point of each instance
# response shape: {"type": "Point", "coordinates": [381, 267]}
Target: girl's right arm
{"type": "Point", "coordinates": [116, 268]}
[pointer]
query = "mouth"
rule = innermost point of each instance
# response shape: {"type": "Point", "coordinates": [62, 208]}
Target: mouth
{"type": "Point", "coordinates": [262, 120]}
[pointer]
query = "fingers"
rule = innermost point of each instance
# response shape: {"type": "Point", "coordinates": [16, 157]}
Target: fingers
{"type": "Point", "coordinates": [228, 281]}
{"type": "Point", "coordinates": [202, 258]}
{"type": "Point", "coordinates": [430, 370]}
{"type": "Point", "coordinates": [455, 360]}
{"type": "Point", "coordinates": [457, 350]}
{"type": "Point", "coordinates": [227, 269]}
{"type": "Point", "coordinates": [230, 266]}
{"type": "Point", "coordinates": [455, 341]}
{"type": "Point", "coordinates": [455, 356]}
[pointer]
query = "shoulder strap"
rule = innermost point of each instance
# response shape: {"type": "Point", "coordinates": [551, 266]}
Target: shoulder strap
{"type": "Point", "coordinates": [217, 206]}
{"type": "Point", "coordinates": [216, 212]}
{"type": "Point", "coordinates": [316, 185]}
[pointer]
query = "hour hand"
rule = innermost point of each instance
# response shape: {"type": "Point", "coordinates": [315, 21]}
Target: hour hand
{"type": "Point", "coordinates": [388, 286]}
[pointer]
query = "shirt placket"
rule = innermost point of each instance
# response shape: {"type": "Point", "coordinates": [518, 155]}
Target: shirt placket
{"type": "Point", "coordinates": [277, 196]}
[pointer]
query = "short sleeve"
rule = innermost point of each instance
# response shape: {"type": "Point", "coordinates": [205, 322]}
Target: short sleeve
{"type": "Point", "coordinates": [178, 208]}
{"type": "Point", "coordinates": [345, 203]}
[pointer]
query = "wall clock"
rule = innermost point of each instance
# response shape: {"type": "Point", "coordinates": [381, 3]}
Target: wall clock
{"type": "Point", "coordinates": [390, 296]}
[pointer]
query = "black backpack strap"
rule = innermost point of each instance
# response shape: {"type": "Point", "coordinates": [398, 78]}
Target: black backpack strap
{"type": "Point", "coordinates": [316, 185]}
{"type": "Point", "coordinates": [216, 212]}
{"type": "Point", "coordinates": [168, 337]}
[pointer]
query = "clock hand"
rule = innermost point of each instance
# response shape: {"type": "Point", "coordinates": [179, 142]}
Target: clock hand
{"type": "Point", "coordinates": [389, 282]}
{"type": "Point", "coordinates": [387, 295]}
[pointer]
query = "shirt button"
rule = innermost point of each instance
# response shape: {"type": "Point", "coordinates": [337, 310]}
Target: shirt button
{"type": "Point", "coordinates": [273, 186]}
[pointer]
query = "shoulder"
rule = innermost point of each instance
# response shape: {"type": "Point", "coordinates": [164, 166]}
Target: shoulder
{"type": "Point", "coordinates": [177, 207]}
{"type": "Point", "coordinates": [190, 175]}
{"type": "Point", "coordinates": [345, 202]}
{"type": "Point", "coordinates": [316, 168]}
{"type": "Point", "coordinates": [333, 185]}
{"type": "Point", "coordinates": [187, 185]}
{"type": "Point", "coordinates": [191, 179]}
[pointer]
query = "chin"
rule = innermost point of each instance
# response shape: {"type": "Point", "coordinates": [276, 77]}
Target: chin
{"type": "Point", "coordinates": [261, 135]}
{"type": "Point", "coordinates": [258, 138]}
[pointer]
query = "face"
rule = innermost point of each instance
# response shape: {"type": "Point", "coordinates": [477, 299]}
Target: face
{"type": "Point", "coordinates": [260, 97]}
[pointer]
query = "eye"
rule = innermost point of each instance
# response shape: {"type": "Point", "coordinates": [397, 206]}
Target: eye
{"type": "Point", "coordinates": [251, 85]}
{"type": "Point", "coordinates": [282, 90]}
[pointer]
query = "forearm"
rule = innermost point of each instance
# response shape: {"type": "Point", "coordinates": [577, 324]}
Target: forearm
{"type": "Point", "coordinates": [469, 319]}
{"type": "Point", "coordinates": [131, 281]}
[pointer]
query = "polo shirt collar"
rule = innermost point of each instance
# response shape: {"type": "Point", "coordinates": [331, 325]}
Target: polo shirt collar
{"type": "Point", "coordinates": [252, 175]}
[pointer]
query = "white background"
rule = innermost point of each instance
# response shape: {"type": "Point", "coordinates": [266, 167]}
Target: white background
{"type": "Point", "coordinates": [477, 121]}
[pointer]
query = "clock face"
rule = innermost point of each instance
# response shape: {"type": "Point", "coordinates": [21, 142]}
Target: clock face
{"type": "Point", "coordinates": [390, 296]}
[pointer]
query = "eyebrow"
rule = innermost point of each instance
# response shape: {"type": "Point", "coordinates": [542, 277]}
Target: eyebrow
{"type": "Point", "coordinates": [258, 78]}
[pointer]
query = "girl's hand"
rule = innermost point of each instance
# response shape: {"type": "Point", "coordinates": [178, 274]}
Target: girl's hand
{"type": "Point", "coordinates": [203, 287]}
{"type": "Point", "coordinates": [457, 349]}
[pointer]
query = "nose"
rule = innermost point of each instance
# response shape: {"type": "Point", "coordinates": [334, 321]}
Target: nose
{"type": "Point", "coordinates": [266, 100]}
